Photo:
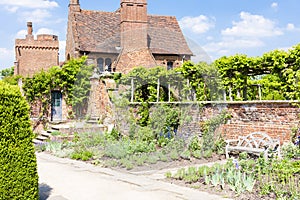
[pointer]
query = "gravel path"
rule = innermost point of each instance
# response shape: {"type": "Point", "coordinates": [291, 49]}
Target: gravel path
{"type": "Point", "coordinates": [65, 179]}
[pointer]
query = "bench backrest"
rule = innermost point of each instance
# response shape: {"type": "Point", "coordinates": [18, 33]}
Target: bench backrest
{"type": "Point", "coordinates": [256, 140]}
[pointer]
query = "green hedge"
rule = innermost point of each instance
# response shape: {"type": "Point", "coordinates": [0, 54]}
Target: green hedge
{"type": "Point", "coordinates": [18, 167]}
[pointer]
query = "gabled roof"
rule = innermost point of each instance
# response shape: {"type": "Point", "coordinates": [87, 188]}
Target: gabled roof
{"type": "Point", "coordinates": [97, 31]}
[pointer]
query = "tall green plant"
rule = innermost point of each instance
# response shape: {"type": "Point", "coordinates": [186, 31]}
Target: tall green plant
{"type": "Point", "coordinates": [18, 172]}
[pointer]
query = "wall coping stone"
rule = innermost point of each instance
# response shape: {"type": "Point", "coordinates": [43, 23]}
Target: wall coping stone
{"type": "Point", "coordinates": [225, 102]}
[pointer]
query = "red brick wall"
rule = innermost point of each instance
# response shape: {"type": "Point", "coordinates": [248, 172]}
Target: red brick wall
{"type": "Point", "coordinates": [141, 58]}
{"type": "Point", "coordinates": [276, 118]}
{"type": "Point", "coordinates": [34, 55]}
{"type": "Point", "coordinates": [134, 23]}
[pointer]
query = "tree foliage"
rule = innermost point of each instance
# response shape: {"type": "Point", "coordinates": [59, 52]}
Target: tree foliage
{"type": "Point", "coordinates": [276, 72]}
{"type": "Point", "coordinates": [7, 72]}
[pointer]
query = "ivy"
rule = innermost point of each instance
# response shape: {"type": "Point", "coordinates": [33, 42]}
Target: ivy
{"type": "Point", "coordinates": [72, 79]}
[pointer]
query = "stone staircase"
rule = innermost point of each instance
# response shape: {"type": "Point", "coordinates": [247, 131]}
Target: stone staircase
{"type": "Point", "coordinates": [69, 129]}
{"type": "Point", "coordinates": [44, 136]}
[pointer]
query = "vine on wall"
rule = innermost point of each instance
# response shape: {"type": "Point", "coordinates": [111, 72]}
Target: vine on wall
{"type": "Point", "coordinates": [72, 79]}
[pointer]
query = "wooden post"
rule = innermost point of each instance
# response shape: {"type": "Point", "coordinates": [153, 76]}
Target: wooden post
{"type": "Point", "coordinates": [169, 93]}
{"type": "Point", "coordinates": [224, 95]}
{"type": "Point", "coordinates": [158, 86]}
{"type": "Point", "coordinates": [188, 84]}
{"type": "Point", "coordinates": [132, 90]}
{"type": "Point", "coordinates": [259, 92]}
{"type": "Point", "coordinates": [230, 94]}
{"type": "Point", "coordinates": [238, 93]}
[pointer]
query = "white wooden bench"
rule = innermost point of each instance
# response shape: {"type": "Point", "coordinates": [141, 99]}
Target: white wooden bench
{"type": "Point", "coordinates": [254, 143]}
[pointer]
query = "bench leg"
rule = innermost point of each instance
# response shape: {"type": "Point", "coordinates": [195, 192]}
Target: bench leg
{"type": "Point", "coordinates": [266, 155]}
{"type": "Point", "coordinates": [227, 153]}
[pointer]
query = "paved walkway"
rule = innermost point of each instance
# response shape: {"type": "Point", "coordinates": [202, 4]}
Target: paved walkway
{"type": "Point", "coordinates": [65, 179]}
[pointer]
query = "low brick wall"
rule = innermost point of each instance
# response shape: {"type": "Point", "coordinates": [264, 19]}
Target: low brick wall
{"type": "Point", "coordinates": [276, 118]}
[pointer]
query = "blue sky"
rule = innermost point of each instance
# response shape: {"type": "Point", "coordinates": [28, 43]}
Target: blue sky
{"type": "Point", "coordinates": [217, 27]}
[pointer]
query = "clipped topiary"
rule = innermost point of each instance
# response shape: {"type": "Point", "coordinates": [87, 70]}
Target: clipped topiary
{"type": "Point", "coordinates": [18, 167]}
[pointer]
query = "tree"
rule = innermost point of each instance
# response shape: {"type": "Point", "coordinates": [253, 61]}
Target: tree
{"type": "Point", "coordinates": [7, 72]}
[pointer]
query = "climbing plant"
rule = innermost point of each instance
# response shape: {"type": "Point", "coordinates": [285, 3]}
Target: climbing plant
{"type": "Point", "coordinates": [202, 78]}
{"type": "Point", "coordinates": [275, 72]}
{"type": "Point", "coordinates": [72, 79]}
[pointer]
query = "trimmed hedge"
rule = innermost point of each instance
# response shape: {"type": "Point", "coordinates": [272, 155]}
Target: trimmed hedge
{"type": "Point", "coordinates": [18, 172]}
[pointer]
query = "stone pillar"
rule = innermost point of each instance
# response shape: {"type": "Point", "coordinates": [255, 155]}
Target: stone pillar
{"type": "Point", "coordinates": [100, 107]}
{"type": "Point", "coordinates": [106, 109]}
{"type": "Point", "coordinates": [93, 107]}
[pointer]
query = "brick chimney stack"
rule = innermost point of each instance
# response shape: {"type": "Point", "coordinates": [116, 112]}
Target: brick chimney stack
{"type": "Point", "coordinates": [74, 6]}
{"type": "Point", "coordinates": [29, 31]}
{"type": "Point", "coordinates": [134, 21]}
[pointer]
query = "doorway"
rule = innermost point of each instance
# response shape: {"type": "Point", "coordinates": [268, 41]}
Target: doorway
{"type": "Point", "coordinates": [56, 106]}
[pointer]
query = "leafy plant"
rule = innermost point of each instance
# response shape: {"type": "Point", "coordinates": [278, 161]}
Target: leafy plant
{"type": "Point", "coordinates": [81, 154]}
{"type": "Point", "coordinates": [249, 182]}
{"type": "Point", "coordinates": [18, 172]}
{"type": "Point", "coordinates": [168, 174]}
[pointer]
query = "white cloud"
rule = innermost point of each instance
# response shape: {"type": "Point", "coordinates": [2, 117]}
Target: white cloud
{"type": "Point", "coordinates": [12, 9]}
{"type": "Point", "coordinates": [7, 58]}
{"type": "Point", "coordinates": [46, 31]}
{"type": "Point", "coordinates": [228, 45]}
{"type": "Point", "coordinates": [36, 16]}
{"type": "Point", "coordinates": [209, 38]}
{"type": "Point", "coordinates": [248, 33]}
{"type": "Point", "coordinates": [290, 27]}
{"type": "Point", "coordinates": [199, 25]}
{"type": "Point", "coordinates": [21, 34]}
{"type": "Point", "coordinates": [255, 26]}
{"type": "Point", "coordinates": [29, 3]}
{"type": "Point", "coordinates": [274, 5]}
{"type": "Point", "coordinates": [62, 49]}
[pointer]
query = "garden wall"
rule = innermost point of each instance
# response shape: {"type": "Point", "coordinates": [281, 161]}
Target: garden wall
{"type": "Point", "coordinates": [276, 118]}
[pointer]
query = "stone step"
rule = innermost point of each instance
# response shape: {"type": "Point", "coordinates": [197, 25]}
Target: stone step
{"type": "Point", "coordinates": [36, 141]}
{"type": "Point", "coordinates": [46, 134]}
{"type": "Point", "coordinates": [55, 127]}
{"type": "Point", "coordinates": [92, 121]}
{"type": "Point", "coordinates": [42, 138]}
{"type": "Point", "coordinates": [50, 131]}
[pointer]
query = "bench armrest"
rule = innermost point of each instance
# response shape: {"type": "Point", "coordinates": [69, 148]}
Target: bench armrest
{"type": "Point", "coordinates": [231, 141]}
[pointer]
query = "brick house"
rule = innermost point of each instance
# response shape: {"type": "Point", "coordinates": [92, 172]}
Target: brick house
{"type": "Point", "coordinates": [113, 41]}
{"type": "Point", "coordinates": [33, 55]}
{"type": "Point", "coordinates": [129, 37]}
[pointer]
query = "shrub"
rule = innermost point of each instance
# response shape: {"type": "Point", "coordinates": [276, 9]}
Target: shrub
{"type": "Point", "coordinates": [18, 172]}
{"type": "Point", "coordinates": [83, 155]}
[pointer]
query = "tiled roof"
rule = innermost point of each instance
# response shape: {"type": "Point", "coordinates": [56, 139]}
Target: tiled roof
{"type": "Point", "coordinates": [98, 31]}
{"type": "Point", "coordinates": [165, 36]}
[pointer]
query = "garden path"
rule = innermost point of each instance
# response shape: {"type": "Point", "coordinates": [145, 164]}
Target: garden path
{"type": "Point", "coordinates": [65, 179]}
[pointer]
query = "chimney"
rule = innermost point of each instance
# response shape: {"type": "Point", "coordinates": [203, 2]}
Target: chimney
{"type": "Point", "coordinates": [29, 31]}
{"type": "Point", "coordinates": [74, 6]}
{"type": "Point", "coordinates": [29, 28]}
{"type": "Point", "coordinates": [134, 23]}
